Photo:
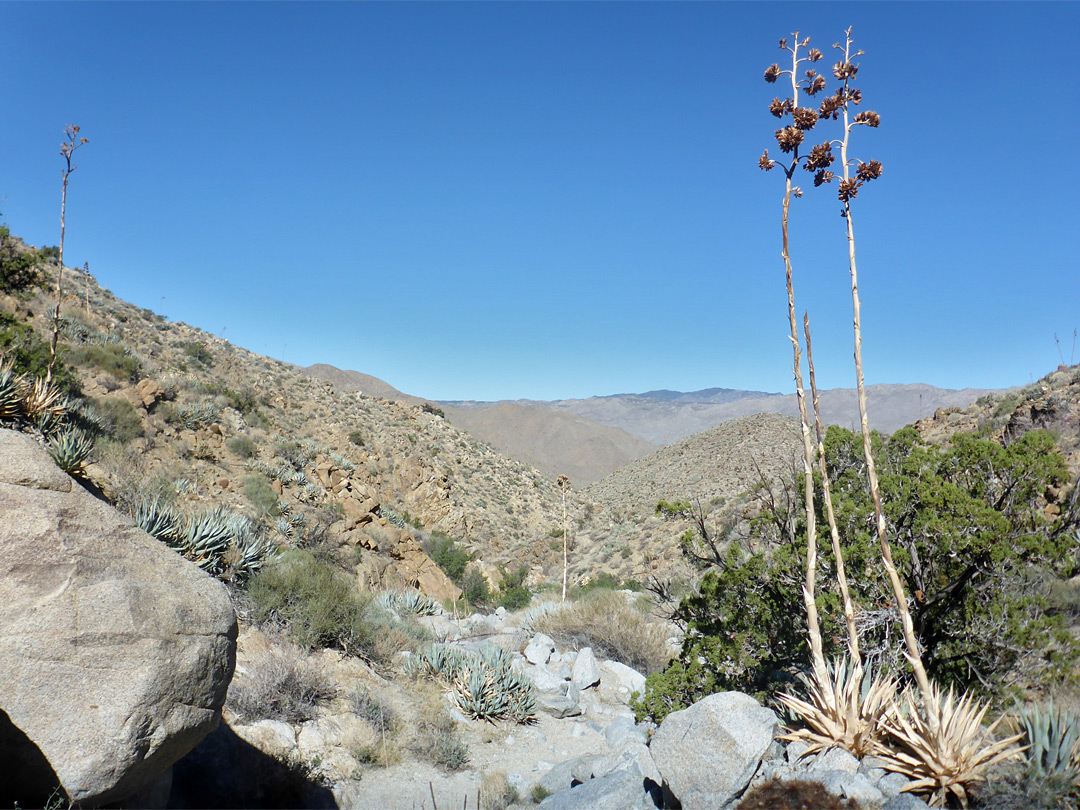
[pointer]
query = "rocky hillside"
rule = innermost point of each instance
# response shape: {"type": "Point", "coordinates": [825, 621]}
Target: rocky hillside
{"type": "Point", "coordinates": [553, 442]}
{"type": "Point", "coordinates": [718, 464]}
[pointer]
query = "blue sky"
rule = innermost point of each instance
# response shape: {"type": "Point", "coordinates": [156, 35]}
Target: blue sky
{"type": "Point", "coordinates": [505, 200]}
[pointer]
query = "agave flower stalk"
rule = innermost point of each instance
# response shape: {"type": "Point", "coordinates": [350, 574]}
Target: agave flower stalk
{"type": "Point", "coordinates": [830, 514]}
{"type": "Point", "coordinates": [564, 484]}
{"type": "Point", "coordinates": [836, 106]}
{"type": "Point", "coordinates": [789, 139]}
{"type": "Point", "coordinates": [67, 150]}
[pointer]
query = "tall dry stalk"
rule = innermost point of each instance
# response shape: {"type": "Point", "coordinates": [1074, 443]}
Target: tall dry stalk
{"type": "Point", "coordinates": [564, 484]}
{"type": "Point", "coordinates": [836, 106]}
{"type": "Point", "coordinates": [830, 514]}
{"type": "Point", "coordinates": [789, 138]}
{"type": "Point", "coordinates": [67, 150]}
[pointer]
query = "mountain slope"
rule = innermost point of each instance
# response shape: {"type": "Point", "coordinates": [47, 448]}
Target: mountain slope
{"type": "Point", "coordinates": [555, 442]}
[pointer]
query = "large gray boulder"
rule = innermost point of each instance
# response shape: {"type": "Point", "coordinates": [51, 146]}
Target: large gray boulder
{"type": "Point", "coordinates": [115, 653]}
{"type": "Point", "coordinates": [708, 753]}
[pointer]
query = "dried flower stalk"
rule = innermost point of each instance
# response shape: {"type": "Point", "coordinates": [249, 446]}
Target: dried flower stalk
{"type": "Point", "coordinates": [67, 150]}
{"type": "Point", "coordinates": [789, 139]}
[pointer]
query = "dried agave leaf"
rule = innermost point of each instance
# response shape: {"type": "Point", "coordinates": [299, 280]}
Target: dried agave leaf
{"type": "Point", "coordinates": [941, 744]}
{"type": "Point", "coordinates": [843, 711]}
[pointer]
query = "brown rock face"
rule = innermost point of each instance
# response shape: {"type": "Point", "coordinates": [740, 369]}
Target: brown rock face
{"type": "Point", "coordinates": [115, 653]}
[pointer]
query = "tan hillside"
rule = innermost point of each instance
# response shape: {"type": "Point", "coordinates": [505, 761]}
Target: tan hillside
{"type": "Point", "coordinates": [555, 442]}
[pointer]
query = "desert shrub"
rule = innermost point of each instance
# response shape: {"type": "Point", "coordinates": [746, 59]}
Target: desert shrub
{"type": "Point", "coordinates": [279, 682]}
{"type": "Point", "coordinates": [119, 418]}
{"type": "Point", "coordinates": [450, 557]}
{"type": "Point", "coordinates": [496, 792]}
{"type": "Point", "coordinates": [242, 447]}
{"type": "Point", "coordinates": [427, 407]}
{"type": "Point", "coordinates": [370, 708]}
{"type": "Point", "coordinates": [320, 606]}
{"type": "Point", "coordinates": [28, 354]}
{"type": "Point", "coordinates": [474, 587]}
{"type": "Point", "coordinates": [20, 270]}
{"type": "Point", "coordinates": [111, 358]}
{"type": "Point", "coordinates": [513, 595]}
{"type": "Point", "coordinates": [609, 623]}
{"type": "Point", "coordinates": [198, 352]}
{"type": "Point", "coordinates": [356, 437]}
{"type": "Point", "coordinates": [260, 494]}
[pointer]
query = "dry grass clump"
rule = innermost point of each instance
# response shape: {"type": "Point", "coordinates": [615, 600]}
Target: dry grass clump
{"type": "Point", "coordinates": [496, 792]}
{"type": "Point", "coordinates": [613, 627]}
{"type": "Point", "coordinates": [436, 737]}
{"type": "Point", "coordinates": [280, 681]}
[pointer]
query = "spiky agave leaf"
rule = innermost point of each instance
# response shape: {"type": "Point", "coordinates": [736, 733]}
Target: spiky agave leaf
{"type": "Point", "coordinates": [12, 391]}
{"type": "Point", "coordinates": [43, 399]}
{"type": "Point", "coordinates": [844, 711]}
{"type": "Point", "coordinates": [1053, 737]}
{"type": "Point", "coordinates": [159, 520]}
{"type": "Point", "coordinates": [207, 536]}
{"type": "Point", "coordinates": [940, 743]}
{"type": "Point", "coordinates": [71, 449]}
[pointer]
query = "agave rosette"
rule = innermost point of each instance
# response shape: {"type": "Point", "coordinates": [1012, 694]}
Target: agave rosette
{"type": "Point", "coordinates": [940, 743]}
{"type": "Point", "coordinates": [843, 710]}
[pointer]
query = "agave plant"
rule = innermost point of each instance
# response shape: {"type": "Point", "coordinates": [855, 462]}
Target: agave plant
{"type": "Point", "coordinates": [12, 391]}
{"type": "Point", "coordinates": [85, 416]}
{"type": "Point", "coordinates": [284, 527]}
{"type": "Point", "coordinates": [70, 450]}
{"type": "Point", "coordinates": [844, 710]}
{"type": "Point", "coordinates": [407, 603]}
{"type": "Point", "coordinates": [207, 537]}
{"type": "Point", "coordinates": [478, 697]}
{"type": "Point", "coordinates": [1053, 737]}
{"type": "Point", "coordinates": [159, 520]}
{"type": "Point", "coordinates": [940, 743]}
{"type": "Point", "coordinates": [44, 399]}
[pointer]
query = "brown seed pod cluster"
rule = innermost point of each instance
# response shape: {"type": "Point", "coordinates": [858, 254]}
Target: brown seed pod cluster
{"type": "Point", "coordinates": [831, 108]}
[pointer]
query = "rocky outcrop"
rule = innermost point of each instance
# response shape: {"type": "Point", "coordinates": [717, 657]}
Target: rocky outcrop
{"type": "Point", "coordinates": [115, 654]}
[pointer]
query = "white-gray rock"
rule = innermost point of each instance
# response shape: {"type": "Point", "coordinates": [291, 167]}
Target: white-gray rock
{"type": "Point", "coordinates": [539, 650]}
{"type": "Point", "coordinates": [586, 671]}
{"type": "Point", "coordinates": [615, 791]}
{"type": "Point", "coordinates": [115, 652]}
{"type": "Point", "coordinates": [623, 729]}
{"type": "Point", "coordinates": [621, 679]}
{"type": "Point", "coordinates": [708, 753]}
{"type": "Point", "coordinates": [835, 759]}
{"type": "Point", "coordinates": [544, 680]}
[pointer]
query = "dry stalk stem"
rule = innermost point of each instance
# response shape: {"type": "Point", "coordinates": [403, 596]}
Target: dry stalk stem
{"type": "Point", "coordinates": [564, 484]}
{"type": "Point", "coordinates": [834, 531]}
{"type": "Point", "coordinates": [914, 654]}
{"type": "Point", "coordinates": [809, 588]}
{"type": "Point", "coordinates": [67, 149]}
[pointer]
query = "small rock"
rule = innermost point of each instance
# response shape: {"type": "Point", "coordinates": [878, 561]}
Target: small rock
{"type": "Point", "coordinates": [905, 801]}
{"type": "Point", "coordinates": [544, 680]}
{"type": "Point", "coordinates": [557, 706]}
{"type": "Point", "coordinates": [892, 783]}
{"type": "Point", "coordinates": [623, 729]}
{"type": "Point", "coordinates": [795, 751]}
{"type": "Point", "coordinates": [586, 671]}
{"type": "Point", "coordinates": [539, 650]}
{"type": "Point", "coordinates": [835, 759]}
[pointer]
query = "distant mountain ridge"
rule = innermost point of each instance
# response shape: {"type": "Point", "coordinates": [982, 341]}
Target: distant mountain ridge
{"type": "Point", "coordinates": [590, 438]}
